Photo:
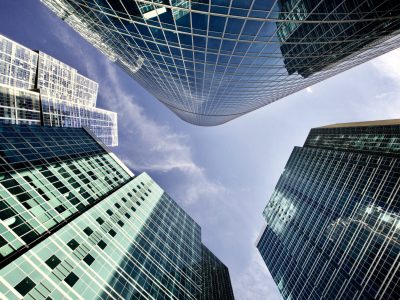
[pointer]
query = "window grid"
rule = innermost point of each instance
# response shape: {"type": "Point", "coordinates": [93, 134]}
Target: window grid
{"type": "Point", "coordinates": [212, 61]}
{"type": "Point", "coordinates": [333, 219]}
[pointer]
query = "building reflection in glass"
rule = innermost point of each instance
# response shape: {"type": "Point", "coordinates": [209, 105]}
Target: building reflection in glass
{"type": "Point", "coordinates": [325, 40]}
{"type": "Point", "coordinates": [333, 222]}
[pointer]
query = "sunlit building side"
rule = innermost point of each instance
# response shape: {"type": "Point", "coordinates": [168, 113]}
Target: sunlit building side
{"type": "Point", "coordinates": [36, 88]}
{"type": "Point", "coordinates": [76, 223]}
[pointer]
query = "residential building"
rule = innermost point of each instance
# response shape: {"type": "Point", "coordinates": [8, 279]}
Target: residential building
{"type": "Point", "coordinates": [76, 223]}
{"type": "Point", "coordinates": [333, 221]}
{"type": "Point", "coordinates": [36, 88]}
{"type": "Point", "coordinates": [213, 61]}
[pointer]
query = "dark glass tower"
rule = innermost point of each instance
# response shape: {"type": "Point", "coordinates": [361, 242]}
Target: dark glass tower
{"type": "Point", "coordinates": [77, 224]}
{"type": "Point", "coordinates": [213, 61]}
{"type": "Point", "coordinates": [216, 280]}
{"type": "Point", "coordinates": [333, 221]}
{"type": "Point", "coordinates": [311, 47]}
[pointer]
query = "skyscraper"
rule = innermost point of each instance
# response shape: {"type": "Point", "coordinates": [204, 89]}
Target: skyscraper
{"type": "Point", "coordinates": [213, 61]}
{"type": "Point", "coordinates": [216, 280]}
{"type": "Point", "coordinates": [333, 221]}
{"type": "Point", "coordinates": [77, 224]}
{"type": "Point", "coordinates": [36, 88]}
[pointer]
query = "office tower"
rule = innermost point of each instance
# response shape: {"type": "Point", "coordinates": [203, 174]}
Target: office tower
{"type": "Point", "coordinates": [212, 61]}
{"type": "Point", "coordinates": [333, 221]}
{"type": "Point", "coordinates": [77, 224]}
{"type": "Point", "coordinates": [36, 88]}
{"type": "Point", "coordinates": [216, 280]}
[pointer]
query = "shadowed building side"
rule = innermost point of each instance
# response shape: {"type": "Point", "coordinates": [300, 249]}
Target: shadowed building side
{"type": "Point", "coordinates": [309, 48]}
{"type": "Point", "coordinates": [216, 283]}
{"type": "Point", "coordinates": [333, 220]}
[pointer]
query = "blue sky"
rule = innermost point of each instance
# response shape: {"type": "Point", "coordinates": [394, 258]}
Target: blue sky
{"type": "Point", "coordinates": [223, 176]}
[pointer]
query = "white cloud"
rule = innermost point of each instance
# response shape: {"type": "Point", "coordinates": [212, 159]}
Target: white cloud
{"type": "Point", "coordinates": [309, 90]}
{"type": "Point", "coordinates": [159, 148]}
{"type": "Point", "coordinates": [389, 65]}
{"type": "Point", "coordinates": [382, 95]}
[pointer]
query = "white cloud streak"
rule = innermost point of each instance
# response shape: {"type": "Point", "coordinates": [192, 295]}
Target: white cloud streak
{"type": "Point", "coordinates": [389, 65]}
{"type": "Point", "coordinates": [159, 149]}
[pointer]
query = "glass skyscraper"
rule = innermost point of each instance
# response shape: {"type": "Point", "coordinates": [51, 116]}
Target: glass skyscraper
{"type": "Point", "coordinates": [216, 280]}
{"type": "Point", "coordinates": [333, 221]}
{"type": "Point", "coordinates": [77, 224]}
{"type": "Point", "coordinates": [213, 61]}
{"type": "Point", "coordinates": [36, 88]}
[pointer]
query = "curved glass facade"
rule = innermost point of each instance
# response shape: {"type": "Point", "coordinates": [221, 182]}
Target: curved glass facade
{"type": "Point", "coordinates": [212, 61]}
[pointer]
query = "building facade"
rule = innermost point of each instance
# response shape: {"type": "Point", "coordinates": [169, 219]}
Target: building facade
{"type": "Point", "coordinates": [36, 88]}
{"type": "Point", "coordinates": [333, 221]}
{"type": "Point", "coordinates": [77, 224]}
{"type": "Point", "coordinates": [213, 61]}
{"type": "Point", "coordinates": [216, 280]}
